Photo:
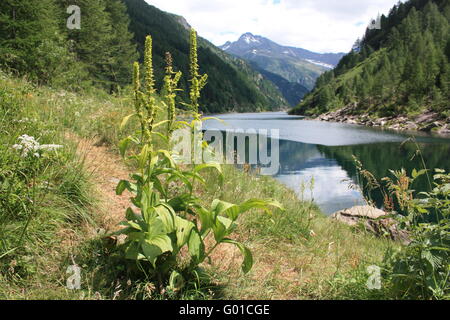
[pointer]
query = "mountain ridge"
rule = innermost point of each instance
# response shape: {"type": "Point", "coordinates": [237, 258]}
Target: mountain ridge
{"type": "Point", "coordinates": [329, 58]}
{"type": "Point", "coordinates": [298, 67]}
{"type": "Point", "coordinates": [394, 75]}
{"type": "Point", "coordinates": [232, 84]}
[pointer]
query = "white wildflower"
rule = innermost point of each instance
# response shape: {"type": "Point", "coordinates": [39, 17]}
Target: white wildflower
{"type": "Point", "coordinates": [17, 147]}
{"type": "Point", "coordinates": [50, 147]}
{"type": "Point", "coordinates": [29, 145]}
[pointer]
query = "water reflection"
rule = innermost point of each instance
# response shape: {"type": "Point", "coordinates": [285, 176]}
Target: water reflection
{"type": "Point", "coordinates": [322, 152]}
{"type": "Point", "coordinates": [307, 166]}
{"type": "Point", "coordinates": [334, 172]}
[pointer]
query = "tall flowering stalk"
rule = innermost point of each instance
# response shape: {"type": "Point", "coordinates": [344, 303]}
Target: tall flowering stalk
{"type": "Point", "coordinates": [198, 82]}
{"type": "Point", "coordinates": [138, 97]}
{"type": "Point", "coordinates": [150, 91]}
{"type": "Point", "coordinates": [160, 224]}
{"type": "Point", "coordinates": [170, 87]}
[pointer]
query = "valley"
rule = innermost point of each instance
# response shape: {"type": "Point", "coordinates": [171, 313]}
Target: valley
{"type": "Point", "coordinates": [142, 160]}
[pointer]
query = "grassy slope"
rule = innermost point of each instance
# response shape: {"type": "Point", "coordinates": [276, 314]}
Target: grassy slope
{"type": "Point", "coordinates": [340, 80]}
{"type": "Point", "coordinates": [299, 254]}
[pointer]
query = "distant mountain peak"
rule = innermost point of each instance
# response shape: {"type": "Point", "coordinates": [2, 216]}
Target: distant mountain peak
{"type": "Point", "coordinates": [250, 38]}
{"type": "Point", "coordinates": [226, 46]}
{"type": "Point", "coordinates": [296, 68]}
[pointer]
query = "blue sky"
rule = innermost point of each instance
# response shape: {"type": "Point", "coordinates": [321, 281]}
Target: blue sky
{"type": "Point", "coordinates": [317, 25]}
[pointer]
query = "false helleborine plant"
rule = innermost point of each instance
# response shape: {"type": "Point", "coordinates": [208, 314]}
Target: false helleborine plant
{"type": "Point", "coordinates": [160, 224]}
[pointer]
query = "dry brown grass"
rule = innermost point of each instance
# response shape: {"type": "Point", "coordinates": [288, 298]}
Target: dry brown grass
{"type": "Point", "coordinates": [106, 169]}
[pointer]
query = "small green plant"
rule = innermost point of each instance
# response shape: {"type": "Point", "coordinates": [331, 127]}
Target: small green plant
{"type": "Point", "coordinates": [421, 269]}
{"type": "Point", "coordinates": [162, 225]}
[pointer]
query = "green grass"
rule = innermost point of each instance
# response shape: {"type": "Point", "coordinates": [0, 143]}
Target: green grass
{"type": "Point", "coordinates": [46, 202]}
{"type": "Point", "coordinates": [298, 253]}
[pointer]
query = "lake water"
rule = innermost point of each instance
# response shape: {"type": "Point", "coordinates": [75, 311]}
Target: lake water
{"type": "Point", "coordinates": [319, 155]}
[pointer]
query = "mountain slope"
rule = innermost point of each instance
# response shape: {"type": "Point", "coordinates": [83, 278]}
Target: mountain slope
{"type": "Point", "coordinates": [294, 64]}
{"type": "Point", "coordinates": [232, 84]}
{"type": "Point", "coordinates": [293, 92]}
{"type": "Point", "coordinates": [401, 70]}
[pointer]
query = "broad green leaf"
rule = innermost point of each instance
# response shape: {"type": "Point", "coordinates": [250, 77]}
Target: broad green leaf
{"type": "Point", "coordinates": [229, 224]}
{"type": "Point", "coordinates": [155, 247]}
{"type": "Point", "coordinates": [131, 224]}
{"type": "Point", "coordinates": [247, 264]}
{"type": "Point", "coordinates": [176, 281]}
{"type": "Point", "coordinates": [207, 219]}
{"type": "Point", "coordinates": [160, 124]}
{"type": "Point", "coordinates": [222, 228]}
{"type": "Point", "coordinates": [143, 156]}
{"type": "Point", "coordinates": [122, 186]}
{"type": "Point", "coordinates": [151, 252]}
{"type": "Point", "coordinates": [219, 207]}
{"type": "Point", "coordinates": [155, 227]}
{"type": "Point", "coordinates": [125, 120]}
{"type": "Point", "coordinates": [184, 228]}
{"type": "Point", "coordinates": [168, 156]}
{"type": "Point", "coordinates": [162, 241]}
{"type": "Point", "coordinates": [132, 251]}
{"type": "Point", "coordinates": [167, 216]}
{"type": "Point", "coordinates": [136, 236]}
{"type": "Point", "coordinates": [196, 246]}
{"type": "Point", "coordinates": [234, 212]}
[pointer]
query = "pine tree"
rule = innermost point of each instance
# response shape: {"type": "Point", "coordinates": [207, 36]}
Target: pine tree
{"type": "Point", "coordinates": [326, 95]}
{"type": "Point", "coordinates": [123, 49]}
{"type": "Point", "coordinates": [30, 41]}
{"type": "Point", "coordinates": [92, 43]}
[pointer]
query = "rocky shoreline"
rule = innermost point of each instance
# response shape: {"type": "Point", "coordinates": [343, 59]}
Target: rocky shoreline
{"type": "Point", "coordinates": [428, 121]}
{"type": "Point", "coordinates": [373, 220]}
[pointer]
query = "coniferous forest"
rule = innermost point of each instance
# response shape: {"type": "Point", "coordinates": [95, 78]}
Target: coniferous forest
{"type": "Point", "coordinates": [403, 68]}
{"type": "Point", "coordinates": [35, 41]}
{"type": "Point", "coordinates": [116, 183]}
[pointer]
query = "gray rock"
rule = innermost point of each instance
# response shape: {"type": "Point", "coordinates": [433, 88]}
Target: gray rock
{"type": "Point", "coordinates": [427, 117]}
{"type": "Point", "coordinates": [445, 129]}
{"type": "Point", "coordinates": [411, 126]}
{"type": "Point", "coordinates": [429, 126]}
{"type": "Point", "coordinates": [374, 220]}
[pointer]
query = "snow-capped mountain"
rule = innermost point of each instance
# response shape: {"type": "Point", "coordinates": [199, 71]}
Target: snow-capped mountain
{"type": "Point", "coordinates": [294, 64]}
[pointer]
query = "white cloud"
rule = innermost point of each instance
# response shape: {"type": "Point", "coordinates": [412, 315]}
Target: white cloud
{"type": "Point", "coordinates": [317, 25]}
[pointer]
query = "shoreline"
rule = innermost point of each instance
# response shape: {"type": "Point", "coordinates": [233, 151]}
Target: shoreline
{"type": "Point", "coordinates": [427, 123]}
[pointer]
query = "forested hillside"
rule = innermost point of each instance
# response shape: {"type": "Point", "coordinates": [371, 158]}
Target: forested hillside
{"type": "Point", "coordinates": [293, 92]}
{"type": "Point", "coordinates": [35, 41]}
{"type": "Point", "coordinates": [402, 69]}
{"type": "Point", "coordinates": [232, 84]}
